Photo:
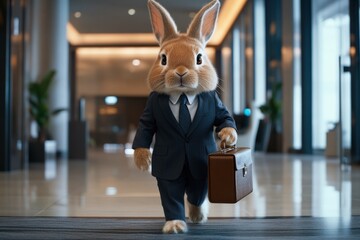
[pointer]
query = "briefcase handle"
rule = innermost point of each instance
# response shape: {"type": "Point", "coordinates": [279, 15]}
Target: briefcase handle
{"type": "Point", "coordinates": [224, 148]}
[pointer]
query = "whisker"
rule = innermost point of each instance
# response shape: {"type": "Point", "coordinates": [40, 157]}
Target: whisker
{"type": "Point", "coordinates": [220, 87]}
{"type": "Point", "coordinates": [219, 90]}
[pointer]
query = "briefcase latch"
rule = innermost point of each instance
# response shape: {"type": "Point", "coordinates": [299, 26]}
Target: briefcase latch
{"type": "Point", "coordinates": [245, 170]}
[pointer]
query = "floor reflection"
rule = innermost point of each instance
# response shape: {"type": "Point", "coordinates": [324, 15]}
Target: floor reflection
{"type": "Point", "coordinates": [109, 185]}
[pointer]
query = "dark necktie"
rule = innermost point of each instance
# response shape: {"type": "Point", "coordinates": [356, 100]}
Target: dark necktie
{"type": "Point", "coordinates": [184, 114]}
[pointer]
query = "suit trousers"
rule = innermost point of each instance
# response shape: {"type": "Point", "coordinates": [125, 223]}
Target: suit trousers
{"type": "Point", "coordinates": [172, 193]}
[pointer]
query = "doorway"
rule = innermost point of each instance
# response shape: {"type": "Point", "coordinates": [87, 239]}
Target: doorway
{"type": "Point", "coordinates": [331, 89]}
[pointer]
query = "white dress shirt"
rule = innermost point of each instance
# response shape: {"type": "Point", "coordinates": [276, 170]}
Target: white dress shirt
{"type": "Point", "coordinates": [192, 105]}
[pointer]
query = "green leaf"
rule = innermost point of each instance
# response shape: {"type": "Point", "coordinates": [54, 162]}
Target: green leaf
{"type": "Point", "coordinates": [38, 99]}
{"type": "Point", "coordinates": [264, 109]}
{"type": "Point", "coordinates": [59, 110]}
{"type": "Point", "coordinates": [46, 81]}
{"type": "Point", "coordinates": [272, 108]}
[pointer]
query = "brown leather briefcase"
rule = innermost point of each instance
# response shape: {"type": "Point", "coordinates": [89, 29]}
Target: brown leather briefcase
{"type": "Point", "coordinates": [230, 175]}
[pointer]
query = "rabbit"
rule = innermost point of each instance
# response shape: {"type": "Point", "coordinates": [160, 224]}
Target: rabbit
{"type": "Point", "coordinates": [179, 158]}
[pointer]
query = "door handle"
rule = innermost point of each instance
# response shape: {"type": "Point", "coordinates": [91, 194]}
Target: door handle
{"type": "Point", "coordinates": [347, 68]}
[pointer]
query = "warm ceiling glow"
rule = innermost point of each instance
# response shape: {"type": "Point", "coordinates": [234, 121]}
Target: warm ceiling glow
{"type": "Point", "coordinates": [229, 12]}
{"type": "Point", "coordinates": [72, 34]}
{"type": "Point", "coordinates": [352, 51]}
{"type": "Point", "coordinates": [124, 52]}
{"type": "Point", "coordinates": [76, 38]}
{"type": "Point", "coordinates": [227, 16]}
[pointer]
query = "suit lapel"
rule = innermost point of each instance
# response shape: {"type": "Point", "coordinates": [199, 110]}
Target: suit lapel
{"type": "Point", "coordinates": [200, 112]}
{"type": "Point", "coordinates": [167, 113]}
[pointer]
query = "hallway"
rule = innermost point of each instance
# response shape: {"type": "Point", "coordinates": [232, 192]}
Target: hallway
{"type": "Point", "coordinates": [109, 185]}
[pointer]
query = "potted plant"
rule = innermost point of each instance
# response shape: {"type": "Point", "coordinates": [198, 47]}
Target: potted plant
{"type": "Point", "coordinates": [271, 124]}
{"type": "Point", "coordinates": [41, 114]}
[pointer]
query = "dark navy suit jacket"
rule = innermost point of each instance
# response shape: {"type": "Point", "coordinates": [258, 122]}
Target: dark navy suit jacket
{"type": "Point", "coordinates": [172, 145]}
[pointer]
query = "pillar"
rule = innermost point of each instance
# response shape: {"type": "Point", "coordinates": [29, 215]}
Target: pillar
{"type": "Point", "coordinates": [50, 50]}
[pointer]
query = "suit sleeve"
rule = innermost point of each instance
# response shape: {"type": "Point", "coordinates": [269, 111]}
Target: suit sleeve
{"type": "Point", "coordinates": [222, 118]}
{"type": "Point", "coordinates": [146, 127]}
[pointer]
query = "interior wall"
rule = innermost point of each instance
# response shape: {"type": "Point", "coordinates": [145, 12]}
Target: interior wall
{"type": "Point", "coordinates": [110, 71]}
{"type": "Point", "coordinates": [120, 72]}
{"type": "Point", "coordinates": [116, 71]}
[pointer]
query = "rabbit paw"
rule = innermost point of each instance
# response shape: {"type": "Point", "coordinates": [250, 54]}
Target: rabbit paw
{"type": "Point", "coordinates": [175, 226]}
{"type": "Point", "coordinates": [199, 214]}
{"type": "Point", "coordinates": [228, 135]}
{"type": "Point", "coordinates": [142, 157]}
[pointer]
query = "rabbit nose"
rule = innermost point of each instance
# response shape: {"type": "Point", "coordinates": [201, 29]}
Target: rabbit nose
{"type": "Point", "coordinates": [181, 75]}
{"type": "Point", "coordinates": [181, 71]}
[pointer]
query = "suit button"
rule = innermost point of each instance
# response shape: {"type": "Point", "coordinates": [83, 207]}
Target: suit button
{"type": "Point", "coordinates": [187, 140]}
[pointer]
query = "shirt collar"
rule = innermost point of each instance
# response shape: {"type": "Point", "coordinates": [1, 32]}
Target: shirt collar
{"type": "Point", "coordinates": [174, 98]}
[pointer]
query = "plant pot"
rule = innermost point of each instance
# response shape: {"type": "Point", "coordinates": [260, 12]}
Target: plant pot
{"type": "Point", "coordinates": [78, 139]}
{"type": "Point", "coordinates": [275, 141]}
{"type": "Point", "coordinates": [39, 151]}
{"type": "Point", "coordinates": [263, 135]}
{"type": "Point", "coordinates": [267, 138]}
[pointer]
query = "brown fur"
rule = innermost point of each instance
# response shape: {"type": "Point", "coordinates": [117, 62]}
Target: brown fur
{"type": "Point", "coordinates": [181, 51]}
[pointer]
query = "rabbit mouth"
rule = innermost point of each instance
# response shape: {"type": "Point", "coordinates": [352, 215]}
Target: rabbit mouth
{"type": "Point", "coordinates": [181, 82]}
{"type": "Point", "coordinates": [184, 83]}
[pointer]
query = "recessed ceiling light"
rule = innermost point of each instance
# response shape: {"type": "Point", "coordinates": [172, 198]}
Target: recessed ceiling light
{"type": "Point", "coordinates": [131, 11]}
{"type": "Point", "coordinates": [77, 14]}
{"type": "Point", "coordinates": [136, 62]}
{"type": "Point", "coordinates": [111, 100]}
{"type": "Point", "coordinates": [111, 191]}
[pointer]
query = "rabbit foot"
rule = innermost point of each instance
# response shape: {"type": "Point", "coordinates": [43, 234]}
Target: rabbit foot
{"type": "Point", "coordinates": [199, 214]}
{"type": "Point", "coordinates": [175, 226]}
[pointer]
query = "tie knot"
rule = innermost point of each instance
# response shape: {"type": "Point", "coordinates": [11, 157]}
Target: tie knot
{"type": "Point", "coordinates": [183, 99]}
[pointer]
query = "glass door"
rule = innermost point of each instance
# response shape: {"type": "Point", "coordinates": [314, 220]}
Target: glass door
{"type": "Point", "coordinates": [331, 80]}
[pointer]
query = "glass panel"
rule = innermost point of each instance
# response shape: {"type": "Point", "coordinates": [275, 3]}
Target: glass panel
{"type": "Point", "coordinates": [330, 40]}
{"type": "Point", "coordinates": [259, 53]}
{"type": "Point", "coordinates": [236, 71]}
{"type": "Point", "coordinates": [243, 47]}
{"type": "Point", "coordinates": [227, 73]}
{"type": "Point", "coordinates": [345, 109]}
{"type": "Point", "coordinates": [297, 77]}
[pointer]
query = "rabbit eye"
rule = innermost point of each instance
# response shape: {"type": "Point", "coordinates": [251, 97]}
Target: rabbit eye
{"type": "Point", "coordinates": [163, 59]}
{"type": "Point", "coordinates": [199, 59]}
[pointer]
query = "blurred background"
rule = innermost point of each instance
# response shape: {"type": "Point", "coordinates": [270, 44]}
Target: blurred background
{"type": "Point", "coordinates": [73, 77]}
{"type": "Point", "coordinates": [291, 63]}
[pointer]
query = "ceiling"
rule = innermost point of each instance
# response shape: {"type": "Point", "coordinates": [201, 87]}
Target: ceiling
{"type": "Point", "coordinates": [108, 21]}
{"type": "Point", "coordinates": [111, 16]}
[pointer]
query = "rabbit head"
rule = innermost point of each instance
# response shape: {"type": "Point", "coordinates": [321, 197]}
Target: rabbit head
{"type": "Point", "coordinates": [182, 64]}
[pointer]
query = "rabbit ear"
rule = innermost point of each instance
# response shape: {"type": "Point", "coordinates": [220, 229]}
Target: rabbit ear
{"type": "Point", "coordinates": [203, 24]}
{"type": "Point", "coordinates": [163, 25]}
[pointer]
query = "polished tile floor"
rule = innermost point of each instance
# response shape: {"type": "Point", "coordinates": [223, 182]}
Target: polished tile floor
{"type": "Point", "coordinates": [109, 185]}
